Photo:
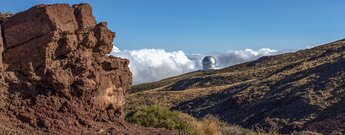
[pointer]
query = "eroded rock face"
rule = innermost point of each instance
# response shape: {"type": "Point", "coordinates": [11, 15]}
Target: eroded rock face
{"type": "Point", "coordinates": [59, 49]}
{"type": "Point", "coordinates": [57, 74]}
{"type": "Point", "coordinates": [1, 47]}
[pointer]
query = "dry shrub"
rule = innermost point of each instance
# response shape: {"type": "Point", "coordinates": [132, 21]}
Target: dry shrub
{"type": "Point", "coordinates": [155, 116]}
{"type": "Point", "coordinates": [193, 123]}
{"type": "Point", "coordinates": [211, 125]}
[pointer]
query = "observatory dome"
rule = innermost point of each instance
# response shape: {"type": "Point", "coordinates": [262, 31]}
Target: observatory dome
{"type": "Point", "coordinates": [209, 63]}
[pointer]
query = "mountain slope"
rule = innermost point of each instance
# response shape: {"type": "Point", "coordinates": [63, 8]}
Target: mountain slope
{"type": "Point", "coordinates": [304, 90]}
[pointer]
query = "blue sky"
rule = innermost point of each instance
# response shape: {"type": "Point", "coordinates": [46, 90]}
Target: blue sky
{"type": "Point", "coordinates": [200, 26]}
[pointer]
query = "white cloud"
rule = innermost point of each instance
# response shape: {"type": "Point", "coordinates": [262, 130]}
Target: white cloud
{"type": "Point", "coordinates": [148, 65]}
{"type": "Point", "coordinates": [233, 57]}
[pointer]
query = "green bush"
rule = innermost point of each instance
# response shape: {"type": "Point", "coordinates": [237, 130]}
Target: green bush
{"type": "Point", "coordinates": [157, 117]}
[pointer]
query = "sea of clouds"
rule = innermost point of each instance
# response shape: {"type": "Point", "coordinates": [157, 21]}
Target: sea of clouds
{"type": "Point", "coordinates": [148, 65]}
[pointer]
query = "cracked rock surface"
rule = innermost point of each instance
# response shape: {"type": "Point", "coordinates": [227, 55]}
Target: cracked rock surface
{"type": "Point", "coordinates": [56, 76]}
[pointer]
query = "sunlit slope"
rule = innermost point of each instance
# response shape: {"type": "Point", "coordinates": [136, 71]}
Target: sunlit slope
{"type": "Point", "coordinates": [293, 91]}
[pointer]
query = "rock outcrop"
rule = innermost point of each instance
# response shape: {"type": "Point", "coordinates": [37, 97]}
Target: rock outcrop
{"type": "Point", "coordinates": [57, 76]}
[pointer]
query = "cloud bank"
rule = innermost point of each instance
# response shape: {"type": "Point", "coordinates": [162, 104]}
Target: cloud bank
{"type": "Point", "coordinates": [148, 65]}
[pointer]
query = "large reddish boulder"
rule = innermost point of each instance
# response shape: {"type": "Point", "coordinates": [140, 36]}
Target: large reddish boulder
{"type": "Point", "coordinates": [58, 75]}
{"type": "Point", "coordinates": [37, 22]}
{"type": "Point", "coordinates": [53, 58]}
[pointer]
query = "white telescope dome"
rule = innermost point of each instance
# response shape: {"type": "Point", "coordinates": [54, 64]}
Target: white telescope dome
{"type": "Point", "coordinates": [209, 63]}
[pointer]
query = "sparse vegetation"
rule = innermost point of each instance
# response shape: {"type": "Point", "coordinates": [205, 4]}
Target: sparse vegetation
{"type": "Point", "coordinates": [159, 117]}
{"type": "Point", "coordinates": [303, 90]}
{"type": "Point", "coordinates": [167, 98]}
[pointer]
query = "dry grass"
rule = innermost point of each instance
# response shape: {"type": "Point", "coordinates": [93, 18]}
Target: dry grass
{"type": "Point", "coordinates": [211, 125]}
{"type": "Point", "coordinates": [168, 99]}
{"type": "Point", "coordinates": [310, 79]}
{"type": "Point", "coordinates": [160, 117]}
{"type": "Point", "coordinates": [165, 98]}
{"type": "Point", "coordinates": [155, 116]}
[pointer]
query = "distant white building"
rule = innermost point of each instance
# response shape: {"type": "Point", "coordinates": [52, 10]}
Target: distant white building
{"type": "Point", "coordinates": [209, 63]}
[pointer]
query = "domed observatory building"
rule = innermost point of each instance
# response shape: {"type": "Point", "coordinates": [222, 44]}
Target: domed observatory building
{"type": "Point", "coordinates": [209, 63]}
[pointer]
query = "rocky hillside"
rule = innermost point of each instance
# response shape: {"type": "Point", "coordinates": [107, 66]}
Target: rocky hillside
{"type": "Point", "coordinates": [304, 90]}
{"type": "Point", "coordinates": [56, 76]}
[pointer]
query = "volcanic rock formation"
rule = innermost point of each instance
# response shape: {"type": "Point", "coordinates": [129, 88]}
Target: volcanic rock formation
{"type": "Point", "coordinates": [56, 75]}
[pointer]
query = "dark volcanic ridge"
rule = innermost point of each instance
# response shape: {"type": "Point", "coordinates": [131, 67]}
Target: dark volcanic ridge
{"type": "Point", "coordinates": [56, 76]}
{"type": "Point", "coordinates": [304, 90]}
